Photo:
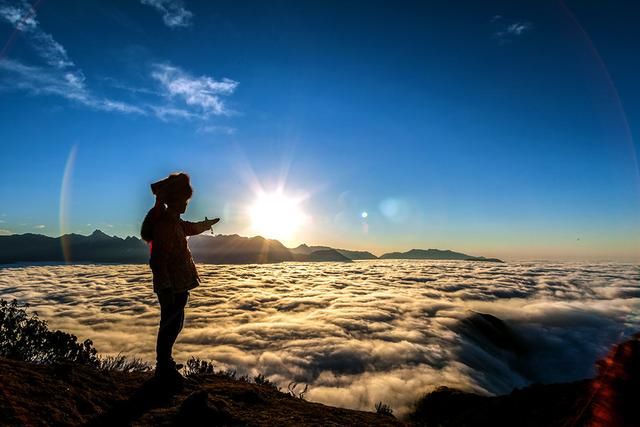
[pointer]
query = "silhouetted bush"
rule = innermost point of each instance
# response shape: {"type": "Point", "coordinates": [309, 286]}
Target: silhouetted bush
{"type": "Point", "coordinates": [123, 364]}
{"type": "Point", "coordinates": [25, 337]}
{"type": "Point", "coordinates": [384, 409]}
{"type": "Point", "coordinates": [232, 375]}
{"type": "Point", "coordinates": [195, 366]}
{"type": "Point", "coordinates": [262, 380]}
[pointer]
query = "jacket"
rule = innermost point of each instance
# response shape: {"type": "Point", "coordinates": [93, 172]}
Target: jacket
{"type": "Point", "coordinates": [171, 262]}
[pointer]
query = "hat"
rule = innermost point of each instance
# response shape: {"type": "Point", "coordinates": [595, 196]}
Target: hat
{"type": "Point", "coordinates": [175, 186]}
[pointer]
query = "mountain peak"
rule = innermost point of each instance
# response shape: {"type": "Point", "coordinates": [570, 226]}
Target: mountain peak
{"type": "Point", "coordinates": [97, 234]}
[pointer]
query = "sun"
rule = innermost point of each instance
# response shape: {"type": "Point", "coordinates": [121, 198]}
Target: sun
{"type": "Point", "coordinates": [276, 216]}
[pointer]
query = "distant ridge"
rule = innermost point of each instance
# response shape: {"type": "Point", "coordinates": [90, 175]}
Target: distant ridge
{"type": "Point", "coordinates": [218, 249]}
{"type": "Point", "coordinates": [352, 255]}
{"type": "Point", "coordinates": [96, 247]}
{"type": "Point", "coordinates": [235, 249]}
{"type": "Point", "coordinates": [333, 255]}
{"type": "Point", "coordinates": [436, 254]}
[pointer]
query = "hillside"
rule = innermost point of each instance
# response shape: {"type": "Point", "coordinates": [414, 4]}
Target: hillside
{"type": "Point", "coordinates": [72, 394]}
{"type": "Point", "coordinates": [608, 400]}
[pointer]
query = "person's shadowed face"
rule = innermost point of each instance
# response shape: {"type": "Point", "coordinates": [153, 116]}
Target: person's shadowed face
{"type": "Point", "coordinates": [179, 206]}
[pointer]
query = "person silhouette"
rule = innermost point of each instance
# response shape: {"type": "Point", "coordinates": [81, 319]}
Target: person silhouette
{"type": "Point", "coordinates": [174, 272]}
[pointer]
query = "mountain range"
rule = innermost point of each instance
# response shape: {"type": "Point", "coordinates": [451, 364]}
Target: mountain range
{"type": "Point", "coordinates": [218, 249]}
{"type": "Point", "coordinates": [436, 254]}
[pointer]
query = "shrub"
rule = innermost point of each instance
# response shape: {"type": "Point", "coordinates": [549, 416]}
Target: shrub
{"type": "Point", "coordinates": [232, 374]}
{"type": "Point", "coordinates": [123, 364]}
{"type": "Point", "coordinates": [197, 366]}
{"type": "Point", "coordinates": [25, 337]}
{"type": "Point", "coordinates": [228, 373]}
{"type": "Point", "coordinates": [262, 380]}
{"type": "Point", "coordinates": [384, 409]}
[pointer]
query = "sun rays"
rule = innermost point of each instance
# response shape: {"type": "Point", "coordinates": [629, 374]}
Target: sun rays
{"type": "Point", "coordinates": [277, 215]}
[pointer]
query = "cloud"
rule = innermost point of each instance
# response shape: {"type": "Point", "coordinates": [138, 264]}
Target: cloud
{"type": "Point", "coordinates": [181, 95]}
{"type": "Point", "coordinates": [166, 113]}
{"type": "Point", "coordinates": [173, 12]}
{"type": "Point", "coordinates": [508, 31]}
{"type": "Point", "coordinates": [356, 333]}
{"type": "Point", "coordinates": [40, 226]}
{"type": "Point", "coordinates": [225, 130]}
{"type": "Point", "coordinates": [58, 75]}
{"type": "Point", "coordinates": [5, 232]}
{"type": "Point", "coordinates": [518, 28]}
{"type": "Point", "coordinates": [23, 17]}
{"type": "Point", "coordinates": [203, 93]}
{"type": "Point", "coordinates": [69, 85]}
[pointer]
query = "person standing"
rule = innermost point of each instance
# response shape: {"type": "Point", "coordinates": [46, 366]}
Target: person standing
{"type": "Point", "coordinates": [174, 272]}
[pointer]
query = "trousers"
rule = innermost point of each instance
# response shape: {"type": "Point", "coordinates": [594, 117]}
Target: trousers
{"type": "Point", "coordinates": [171, 323]}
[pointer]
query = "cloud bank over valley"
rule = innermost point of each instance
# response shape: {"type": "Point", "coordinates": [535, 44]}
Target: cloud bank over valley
{"type": "Point", "coordinates": [362, 332]}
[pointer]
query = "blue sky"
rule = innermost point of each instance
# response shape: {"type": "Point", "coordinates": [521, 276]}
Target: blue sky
{"type": "Point", "coordinates": [500, 128]}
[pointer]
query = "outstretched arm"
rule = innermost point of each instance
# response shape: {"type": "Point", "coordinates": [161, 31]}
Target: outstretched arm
{"type": "Point", "coordinates": [193, 228]}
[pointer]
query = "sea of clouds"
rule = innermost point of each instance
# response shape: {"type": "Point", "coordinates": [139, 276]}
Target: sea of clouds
{"type": "Point", "coordinates": [357, 333]}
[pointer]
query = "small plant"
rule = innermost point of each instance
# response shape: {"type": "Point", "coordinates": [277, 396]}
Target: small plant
{"type": "Point", "coordinates": [262, 380]}
{"type": "Point", "coordinates": [123, 364]}
{"type": "Point", "coordinates": [228, 373]}
{"type": "Point", "coordinates": [197, 366]}
{"type": "Point", "coordinates": [26, 337]}
{"type": "Point", "coordinates": [292, 390]}
{"type": "Point", "coordinates": [384, 409]}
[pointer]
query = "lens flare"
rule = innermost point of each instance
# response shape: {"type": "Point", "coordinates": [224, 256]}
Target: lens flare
{"type": "Point", "coordinates": [65, 197]}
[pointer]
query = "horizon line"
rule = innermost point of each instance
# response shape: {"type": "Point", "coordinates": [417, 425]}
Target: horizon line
{"type": "Point", "coordinates": [597, 259]}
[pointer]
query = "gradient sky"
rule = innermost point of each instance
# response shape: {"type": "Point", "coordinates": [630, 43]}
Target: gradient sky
{"type": "Point", "coordinates": [495, 128]}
